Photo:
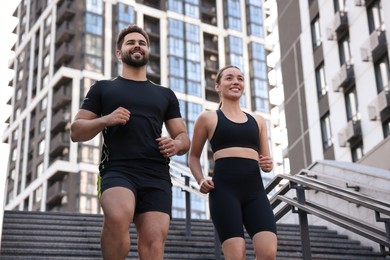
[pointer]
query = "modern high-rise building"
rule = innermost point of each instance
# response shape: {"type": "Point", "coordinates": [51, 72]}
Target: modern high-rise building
{"type": "Point", "coordinates": [64, 46]}
{"type": "Point", "coordinates": [334, 58]}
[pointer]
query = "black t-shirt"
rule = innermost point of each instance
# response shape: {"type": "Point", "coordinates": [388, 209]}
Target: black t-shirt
{"type": "Point", "coordinates": [133, 146]}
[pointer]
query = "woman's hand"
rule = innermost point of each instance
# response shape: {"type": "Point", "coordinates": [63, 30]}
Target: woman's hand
{"type": "Point", "coordinates": [265, 163]}
{"type": "Point", "coordinates": [206, 185]}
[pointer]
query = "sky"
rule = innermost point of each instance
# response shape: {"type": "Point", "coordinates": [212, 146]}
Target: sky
{"type": "Point", "coordinates": [7, 24]}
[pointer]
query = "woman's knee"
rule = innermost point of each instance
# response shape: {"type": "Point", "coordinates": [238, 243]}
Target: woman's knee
{"type": "Point", "coordinates": [234, 248]}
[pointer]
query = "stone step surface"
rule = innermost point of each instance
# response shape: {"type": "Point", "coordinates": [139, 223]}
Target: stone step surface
{"type": "Point", "coordinates": [60, 236]}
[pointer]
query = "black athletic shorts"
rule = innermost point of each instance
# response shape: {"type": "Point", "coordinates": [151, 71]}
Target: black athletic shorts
{"type": "Point", "coordinates": [151, 193]}
{"type": "Point", "coordinates": [239, 199]}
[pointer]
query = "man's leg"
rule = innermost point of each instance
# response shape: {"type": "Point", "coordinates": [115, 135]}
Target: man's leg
{"type": "Point", "coordinates": [152, 230]}
{"type": "Point", "coordinates": [118, 205]}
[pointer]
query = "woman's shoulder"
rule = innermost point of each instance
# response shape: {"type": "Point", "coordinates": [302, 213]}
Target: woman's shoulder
{"type": "Point", "coordinates": [207, 117]}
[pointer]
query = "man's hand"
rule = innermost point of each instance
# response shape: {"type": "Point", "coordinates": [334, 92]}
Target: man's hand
{"type": "Point", "coordinates": [119, 116]}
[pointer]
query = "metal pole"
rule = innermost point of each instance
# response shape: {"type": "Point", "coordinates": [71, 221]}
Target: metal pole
{"type": "Point", "coordinates": [303, 222]}
{"type": "Point", "coordinates": [188, 207]}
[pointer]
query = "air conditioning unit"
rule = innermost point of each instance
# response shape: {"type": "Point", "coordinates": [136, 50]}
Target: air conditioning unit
{"type": "Point", "coordinates": [373, 111]}
{"type": "Point", "coordinates": [365, 53]}
{"type": "Point", "coordinates": [342, 138]}
{"type": "Point", "coordinates": [383, 100]}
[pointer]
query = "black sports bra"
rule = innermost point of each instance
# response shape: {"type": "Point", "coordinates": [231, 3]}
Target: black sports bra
{"type": "Point", "coordinates": [231, 134]}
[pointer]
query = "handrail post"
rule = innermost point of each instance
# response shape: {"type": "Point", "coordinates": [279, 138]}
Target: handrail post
{"type": "Point", "coordinates": [188, 206]}
{"type": "Point", "coordinates": [303, 222]}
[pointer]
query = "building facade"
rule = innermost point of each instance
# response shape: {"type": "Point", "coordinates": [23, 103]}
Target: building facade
{"type": "Point", "coordinates": [64, 46]}
{"type": "Point", "coordinates": [334, 55]}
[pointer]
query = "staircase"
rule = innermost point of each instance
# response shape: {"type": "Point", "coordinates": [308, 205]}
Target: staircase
{"type": "Point", "coordinates": [67, 236]}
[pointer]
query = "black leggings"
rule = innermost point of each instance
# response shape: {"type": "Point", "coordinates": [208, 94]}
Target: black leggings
{"type": "Point", "coordinates": [239, 199]}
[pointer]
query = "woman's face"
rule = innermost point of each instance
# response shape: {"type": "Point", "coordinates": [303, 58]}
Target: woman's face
{"type": "Point", "coordinates": [231, 84]}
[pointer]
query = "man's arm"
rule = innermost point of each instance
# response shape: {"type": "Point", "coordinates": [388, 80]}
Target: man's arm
{"type": "Point", "coordinates": [177, 130]}
{"type": "Point", "coordinates": [87, 124]}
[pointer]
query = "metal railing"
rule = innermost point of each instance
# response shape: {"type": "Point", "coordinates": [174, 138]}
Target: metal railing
{"type": "Point", "coordinates": [305, 180]}
{"type": "Point", "coordinates": [281, 187]}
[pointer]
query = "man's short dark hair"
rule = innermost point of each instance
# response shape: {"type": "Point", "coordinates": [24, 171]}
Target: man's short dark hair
{"type": "Point", "coordinates": [130, 29]}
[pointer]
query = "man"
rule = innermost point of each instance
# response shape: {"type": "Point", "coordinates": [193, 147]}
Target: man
{"type": "Point", "coordinates": [134, 182]}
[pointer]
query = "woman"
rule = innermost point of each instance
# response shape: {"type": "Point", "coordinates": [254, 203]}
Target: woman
{"type": "Point", "coordinates": [240, 146]}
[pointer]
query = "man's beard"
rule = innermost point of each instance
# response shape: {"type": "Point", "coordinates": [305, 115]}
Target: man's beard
{"type": "Point", "coordinates": [128, 59]}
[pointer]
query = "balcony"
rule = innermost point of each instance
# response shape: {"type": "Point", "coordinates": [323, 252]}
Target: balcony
{"type": "Point", "coordinates": [344, 78]}
{"type": "Point", "coordinates": [209, 14]}
{"type": "Point", "coordinates": [59, 121]}
{"type": "Point", "coordinates": [65, 11]}
{"type": "Point", "coordinates": [64, 54]}
{"type": "Point", "coordinates": [62, 97]}
{"type": "Point", "coordinates": [210, 44]}
{"type": "Point", "coordinates": [375, 46]}
{"type": "Point", "coordinates": [379, 108]}
{"type": "Point", "coordinates": [64, 32]}
{"type": "Point", "coordinates": [59, 143]}
{"type": "Point", "coordinates": [338, 27]}
{"type": "Point", "coordinates": [351, 133]}
{"type": "Point", "coordinates": [56, 192]}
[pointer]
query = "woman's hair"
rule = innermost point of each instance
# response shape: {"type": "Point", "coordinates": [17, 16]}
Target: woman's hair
{"type": "Point", "coordinates": [219, 76]}
{"type": "Point", "coordinates": [130, 29]}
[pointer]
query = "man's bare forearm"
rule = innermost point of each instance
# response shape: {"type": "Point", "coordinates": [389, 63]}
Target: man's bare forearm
{"type": "Point", "coordinates": [183, 142]}
{"type": "Point", "coordinates": [85, 129]}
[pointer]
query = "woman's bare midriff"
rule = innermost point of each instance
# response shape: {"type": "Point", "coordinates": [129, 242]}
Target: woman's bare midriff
{"type": "Point", "coordinates": [236, 152]}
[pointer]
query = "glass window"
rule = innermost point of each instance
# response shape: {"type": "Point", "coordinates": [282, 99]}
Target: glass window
{"type": "Point", "coordinates": [48, 21]}
{"type": "Point", "coordinates": [176, 6]}
{"type": "Point", "coordinates": [262, 104]}
{"type": "Point", "coordinates": [322, 88]}
{"type": "Point", "coordinates": [176, 67]}
{"type": "Point", "coordinates": [192, 32]}
{"type": "Point", "coordinates": [233, 14]}
{"type": "Point", "coordinates": [177, 84]}
{"type": "Point", "coordinates": [386, 128]}
{"type": "Point", "coordinates": [194, 88]}
{"type": "Point", "coordinates": [351, 104]}
{"type": "Point", "coordinates": [47, 40]}
{"type": "Point", "coordinates": [259, 69]}
{"type": "Point", "coordinates": [44, 103]}
{"type": "Point", "coordinates": [46, 60]}
{"type": "Point", "coordinates": [375, 16]}
{"type": "Point", "coordinates": [126, 14]}
{"type": "Point", "coordinates": [42, 125]}
{"type": "Point", "coordinates": [93, 45]}
{"type": "Point", "coordinates": [176, 47]}
{"type": "Point", "coordinates": [176, 28]}
{"type": "Point", "coordinates": [357, 151]}
{"type": "Point", "coordinates": [339, 5]}
{"type": "Point", "coordinates": [256, 30]}
{"type": "Point", "coordinates": [193, 51]}
{"type": "Point", "coordinates": [345, 51]}
{"type": "Point", "coordinates": [95, 6]}
{"type": "Point", "coordinates": [326, 132]}
{"type": "Point", "coordinates": [93, 63]}
{"type": "Point", "coordinates": [94, 24]}
{"type": "Point", "coordinates": [315, 32]}
{"type": "Point", "coordinates": [192, 10]}
{"type": "Point", "coordinates": [39, 170]}
{"type": "Point", "coordinates": [193, 71]}
{"type": "Point", "coordinates": [260, 87]}
{"type": "Point", "coordinates": [38, 194]}
{"type": "Point", "coordinates": [235, 45]}
{"type": "Point", "coordinates": [382, 73]}
{"type": "Point", "coordinates": [41, 147]}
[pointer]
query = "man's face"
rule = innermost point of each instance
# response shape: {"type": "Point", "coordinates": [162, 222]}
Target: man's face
{"type": "Point", "coordinates": [134, 51]}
